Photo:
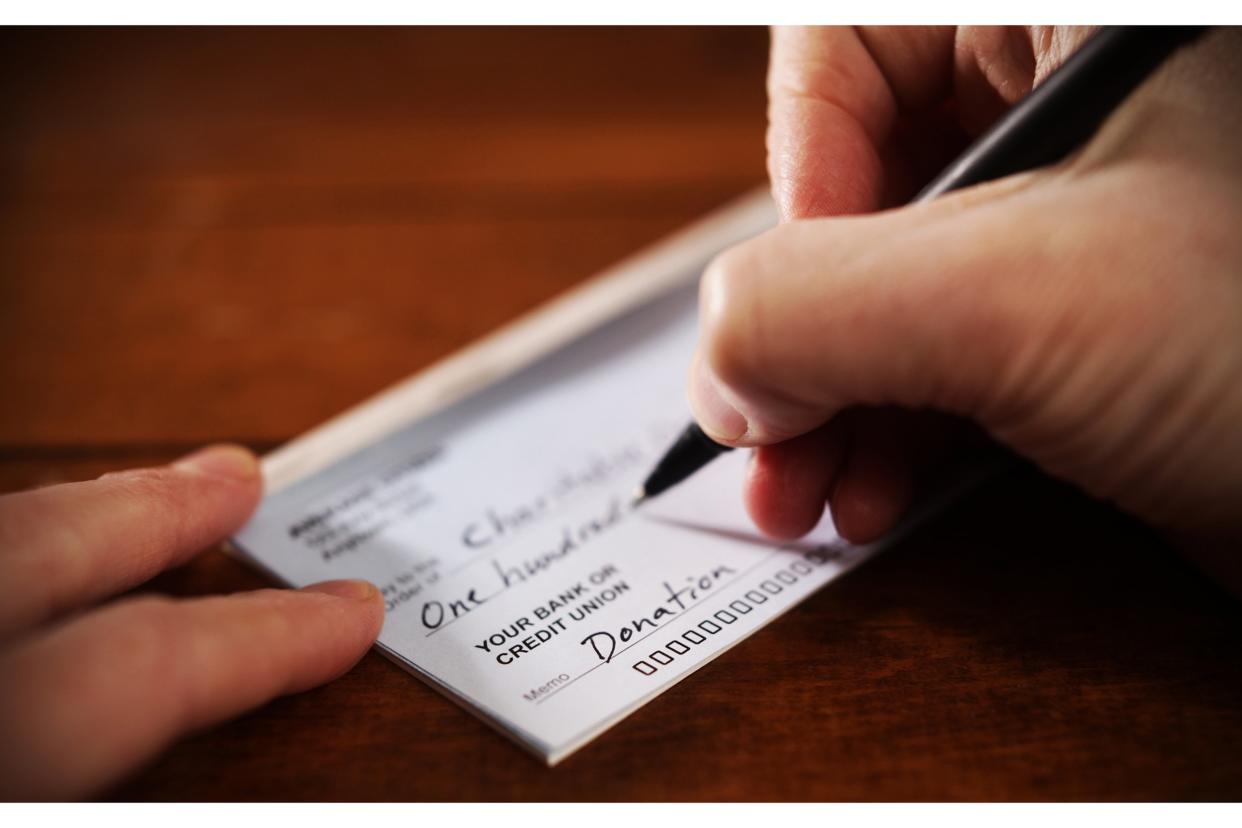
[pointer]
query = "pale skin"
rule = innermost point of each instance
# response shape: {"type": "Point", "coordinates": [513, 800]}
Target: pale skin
{"type": "Point", "coordinates": [1087, 315]}
{"type": "Point", "coordinates": [89, 691]}
{"type": "Point", "coordinates": [1090, 316]}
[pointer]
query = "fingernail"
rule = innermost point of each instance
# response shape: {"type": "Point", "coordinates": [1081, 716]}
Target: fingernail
{"type": "Point", "coordinates": [718, 418]}
{"type": "Point", "coordinates": [221, 461]}
{"type": "Point", "coordinates": [353, 590]}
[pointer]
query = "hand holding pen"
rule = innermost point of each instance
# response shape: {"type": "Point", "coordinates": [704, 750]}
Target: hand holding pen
{"type": "Point", "coordinates": [1086, 313]}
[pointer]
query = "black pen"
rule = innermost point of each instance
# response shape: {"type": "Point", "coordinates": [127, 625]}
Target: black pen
{"type": "Point", "coordinates": [1056, 117]}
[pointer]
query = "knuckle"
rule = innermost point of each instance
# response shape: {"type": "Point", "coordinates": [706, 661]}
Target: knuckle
{"type": "Point", "coordinates": [152, 613]}
{"type": "Point", "coordinates": [145, 637]}
{"type": "Point", "coordinates": [728, 314]}
{"type": "Point", "coordinates": [163, 647]}
{"type": "Point", "coordinates": [147, 484]}
{"type": "Point", "coordinates": [162, 494]}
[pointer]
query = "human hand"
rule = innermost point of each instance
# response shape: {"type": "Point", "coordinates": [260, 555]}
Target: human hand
{"type": "Point", "coordinates": [87, 694]}
{"type": "Point", "coordinates": [1089, 315]}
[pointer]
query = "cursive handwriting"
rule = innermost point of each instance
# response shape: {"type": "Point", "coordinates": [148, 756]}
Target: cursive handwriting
{"type": "Point", "coordinates": [498, 523]}
{"type": "Point", "coordinates": [437, 614]}
{"type": "Point", "coordinates": [682, 597]}
{"type": "Point", "coordinates": [572, 538]}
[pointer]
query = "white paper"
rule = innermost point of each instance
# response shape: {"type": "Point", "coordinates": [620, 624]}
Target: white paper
{"type": "Point", "coordinates": [517, 579]}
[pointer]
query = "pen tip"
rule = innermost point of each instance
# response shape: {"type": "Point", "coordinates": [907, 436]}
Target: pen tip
{"type": "Point", "coordinates": [640, 495]}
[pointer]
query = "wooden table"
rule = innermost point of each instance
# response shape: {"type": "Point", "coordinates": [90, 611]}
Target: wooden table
{"type": "Point", "coordinates": [234, 234]}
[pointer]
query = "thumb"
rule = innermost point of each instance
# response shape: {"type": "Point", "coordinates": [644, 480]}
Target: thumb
{"type": "Point", "coordinates": [917, 307]}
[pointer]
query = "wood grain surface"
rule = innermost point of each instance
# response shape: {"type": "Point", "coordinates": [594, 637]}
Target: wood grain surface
{"type": "Point", "coordinates": [236, 233]}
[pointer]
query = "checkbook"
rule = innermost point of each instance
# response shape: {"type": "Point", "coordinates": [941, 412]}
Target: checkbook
{"type": "Point", "coordinates": [488, 498]}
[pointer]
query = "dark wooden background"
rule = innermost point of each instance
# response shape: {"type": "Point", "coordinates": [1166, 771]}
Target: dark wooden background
{"type": "Point", "coordinates": [234, 234]}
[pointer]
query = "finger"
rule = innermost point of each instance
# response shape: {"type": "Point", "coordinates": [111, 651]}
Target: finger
{"type": "Point", "coordinates": [787, 484]}
{"type": "Point", "coordinates": [840, 96]}
{"type": "Point", "coordinates": [995, 67]}
{"type": "Point", "coordinates": [834, 95]}
{"type": "Point", "coordinates": [876, 485]}
{"type": "Point", "coordinates": [92, 699]}
{"type": "Point", "coordinates": [866, 462]}
{"type": "Point", "coordinates": [816, 316]}
{"type": "Point", "coordinates": [67, 545]}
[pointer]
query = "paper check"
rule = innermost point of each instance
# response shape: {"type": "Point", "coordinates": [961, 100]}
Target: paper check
{"type": "Point", "coordinates": [488, 499]}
